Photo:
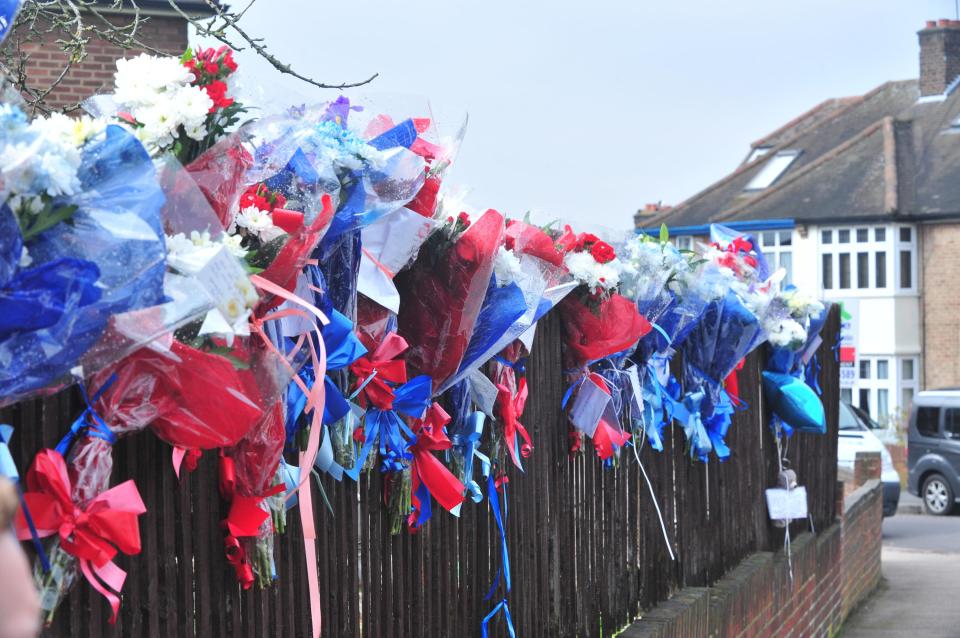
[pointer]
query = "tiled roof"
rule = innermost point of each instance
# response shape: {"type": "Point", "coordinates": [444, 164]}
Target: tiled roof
{"type": "Point", "coordinates": [880, 155]}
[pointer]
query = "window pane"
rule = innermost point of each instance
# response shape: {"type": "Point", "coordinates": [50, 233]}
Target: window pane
{"type": "Point", "coordinates": [786, 237]}
{"type": "Point", "coordinates": [844, 269]}
{"type": "Point", "coordinates": [906, 276]}
{"type": "Point", "coordinates": [907, 372]}
{"type": "Point", "coordinates": [880, 234]}
{"type": "Point", "coordinates": [883, 408]}
{"type": "Point", "coordinates": [864, 400]}
{"type": "Point", "coordinates": [863, 234]}
{"type": "Point", "coordinates": [906, 400]}
{"type": "Point", "coordinates": [905, 234]}
{"type": "Point", "coordinates": [928, 421]}
{"type": "Point", "coordinates": [863, 270]}
{"type": "Point", "coordinates": [826, 236]}
{"type": "Point", "coordinates": [951, 423]}
{"type": "Point", "coordinates": [883, 368]}
{"type": "Point", "coordinates": [881, 269]}
{"type": "Point", "coordinates": [827, 271]}
{"type": "Point", "coordinates": [786, 262]}
{"type": "Point", "coordinates": [846, 395]}
{"type": "Point", "coordinates": [768, 238]}
{"type": "Point", "coordinates": [865, 368]}
{"type": "Point", "coordinates": [843, 236]}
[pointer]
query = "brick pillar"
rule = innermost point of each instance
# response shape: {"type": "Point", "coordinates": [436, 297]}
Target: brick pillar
{"type": "Point", "coordinates": [866, 468]}
{"type": "Point", "coordinates": [839, 496]}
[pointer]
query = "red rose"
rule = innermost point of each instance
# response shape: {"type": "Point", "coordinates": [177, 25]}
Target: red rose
{"type": "Point", "coordinates": [603, 252]}
{"type": "Point", "coordinates": [464, 218]}
{"type": "Point", "coordinates": [211, 67]}
{"type": "Point", "coordinates": [585, 240]}
{"type": "Point", "coordinates": [217, 90]}
{"type": "Point", "coordinates": [228, 61]}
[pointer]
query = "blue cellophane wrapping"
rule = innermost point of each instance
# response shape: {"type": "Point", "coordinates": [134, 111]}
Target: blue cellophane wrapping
{"type": "Point", "coordinates": [107, 260]}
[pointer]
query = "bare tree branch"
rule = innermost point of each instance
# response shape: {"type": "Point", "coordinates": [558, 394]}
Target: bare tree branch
{"type": "Point", "coordinates": [73, 24]}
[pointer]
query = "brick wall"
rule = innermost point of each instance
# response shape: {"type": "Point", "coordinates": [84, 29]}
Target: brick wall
{"type": "Point", "coordinates": [832, 572]}
{"type": "Point", "coordinates": [940, 305]}
{"type": "Point", "coordinates": [94, 74]}
{"type": "Point", "coordinates": [939, 56]}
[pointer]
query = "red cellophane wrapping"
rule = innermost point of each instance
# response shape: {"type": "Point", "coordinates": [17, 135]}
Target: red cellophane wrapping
{"type": "Point", "coordinates": [442, 295]}
{"type": "Point", "coordinates": [526, 239]}
{"type": "Point", "coordinates": [593, 334]}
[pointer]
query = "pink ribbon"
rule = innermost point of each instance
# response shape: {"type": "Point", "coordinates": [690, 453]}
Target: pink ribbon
{"type": "Point", "coordinates": [316, 397]}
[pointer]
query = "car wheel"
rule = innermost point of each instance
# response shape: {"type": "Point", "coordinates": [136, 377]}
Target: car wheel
{"type": "Point", "coordinates": [937, 495]}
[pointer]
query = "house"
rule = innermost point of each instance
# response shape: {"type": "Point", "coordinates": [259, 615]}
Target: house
{"type": "Point", "coordinates": [859, 200]}
{"type": "Point", "coordinates": [161, 28]}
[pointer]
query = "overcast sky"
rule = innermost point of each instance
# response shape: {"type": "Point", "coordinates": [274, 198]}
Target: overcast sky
{"type": "Point", "coordinates": [586, 110]}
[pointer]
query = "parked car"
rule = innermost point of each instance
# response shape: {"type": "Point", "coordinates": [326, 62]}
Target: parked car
{"type": "Point", "coordinates": [933, 450]}
{"type": "Point", "coordinates": [856, 436]}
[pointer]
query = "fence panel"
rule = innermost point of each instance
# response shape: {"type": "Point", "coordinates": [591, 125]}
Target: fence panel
{"type": "Point", "coordinates": [586, 549]}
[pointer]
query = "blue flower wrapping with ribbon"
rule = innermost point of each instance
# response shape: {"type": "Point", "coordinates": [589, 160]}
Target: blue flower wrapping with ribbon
{"type": "Point", "coordinates": [109, 260]}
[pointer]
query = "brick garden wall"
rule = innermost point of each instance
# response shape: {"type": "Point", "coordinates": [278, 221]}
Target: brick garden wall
{"type": "Point", "coordinates": [94, 74]}
{"type": "Point", "coordinates": [832, 572]}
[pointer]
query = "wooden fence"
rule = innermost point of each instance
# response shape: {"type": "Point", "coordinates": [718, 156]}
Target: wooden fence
{"type": "Point", "coordinates": [586, 549]}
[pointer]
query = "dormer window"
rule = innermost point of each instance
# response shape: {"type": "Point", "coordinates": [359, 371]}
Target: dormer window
{"type": "Point", "coordinates": [772, 169]}
{"type": "Point", "coordinates": [757, 152]}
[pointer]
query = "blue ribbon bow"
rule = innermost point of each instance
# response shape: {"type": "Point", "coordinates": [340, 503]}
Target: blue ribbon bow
{"type": "Point", "coordinates": [89, 422]}
{"type": "Point", "coordinates": [410, 399]}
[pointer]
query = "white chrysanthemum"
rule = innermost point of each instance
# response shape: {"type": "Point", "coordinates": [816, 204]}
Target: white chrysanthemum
{"type": "Point", "coordinates": [596, 276]}
{"type": "Point", "coordinates": [506, 267]}
{"type": "Point", "coordinates": [186, 107]}
{"type": "Point", "coordinates": [257, 222]}
{"type": "Point", "coordinates": [141, 81]}
{"type": "Point", "coordinates": [68, 131]}
{"type": "Point", "coordinates": [786, 333]}
{"type": "Point", "coordinates": [233, 244]}
{"type": "Point", "coordinates": [801, 306]}
{"type": "Point", "coordinates": [25, 258]}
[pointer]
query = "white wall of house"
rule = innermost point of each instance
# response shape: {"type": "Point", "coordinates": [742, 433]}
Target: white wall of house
{"type": "Point", "coordinates": [873, 270]}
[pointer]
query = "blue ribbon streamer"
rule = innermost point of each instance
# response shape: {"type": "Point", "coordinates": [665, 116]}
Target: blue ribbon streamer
{"type": "Point", "coordinates": [505, 564]}
{"type": "Point", "coordinates": [9, 469]}
{"type": "Point", "coordinates": [505, 555]}
{"type": "Point", "coordinates": [502, 605]}
{"type": "Point", "coordinates": [89, 422]}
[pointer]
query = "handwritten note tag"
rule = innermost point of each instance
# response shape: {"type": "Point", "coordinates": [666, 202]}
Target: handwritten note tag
{"type": "Point", "coordinates": [483, 392]}
{"type": "Point", "coordinates": [588, 406]}
{"type": "Point", "coordinates": [221, 276]}
{"type": "Point", "coordinates": [787, 504]}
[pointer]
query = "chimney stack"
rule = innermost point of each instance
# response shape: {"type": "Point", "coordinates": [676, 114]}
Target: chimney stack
{"type": "Point", "coordinates": [939, 56]}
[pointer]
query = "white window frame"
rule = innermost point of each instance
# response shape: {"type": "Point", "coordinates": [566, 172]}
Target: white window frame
{"type": "Point", "coordinates": [890, 246]}
{"type": "Point", "coordinates": [773, 252]}
{"type": "Point", "coordinates": [894, 384]}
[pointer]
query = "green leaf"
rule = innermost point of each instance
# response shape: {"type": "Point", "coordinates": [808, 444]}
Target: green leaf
{"type": "Point", "coordinates": [187, 56]}
{"type": "Point", "coordinates": [45, 219]}
{"type": "Point", "coordinates": [264, 256]}
{"type": "Point", "coordinates": [664, 234]}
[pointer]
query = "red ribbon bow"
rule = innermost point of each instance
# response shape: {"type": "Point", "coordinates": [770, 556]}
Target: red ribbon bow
{"type": "Point", "coordinates": [511, 409]}
{"type": "Point", "coordinates": [93, 534]}
{"type": "Point", "coordinates": [245, 519]}
{"type": "Point", "coordinates": [383, 366]}
{"type": "Point", "coordinates": [426, 469]}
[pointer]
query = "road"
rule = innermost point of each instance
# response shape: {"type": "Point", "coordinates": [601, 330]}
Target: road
{"type": "Point", "coordinates": [921, 575]}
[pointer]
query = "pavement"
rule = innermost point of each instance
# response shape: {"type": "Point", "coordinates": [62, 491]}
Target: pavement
{"type": "Point", "coordinates": [921, 575]}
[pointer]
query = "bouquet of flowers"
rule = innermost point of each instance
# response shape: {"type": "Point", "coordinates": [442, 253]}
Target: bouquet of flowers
{"type": "Point", "coordinates": [728, 331]}
{"type": "Point", "coordinates": [177, 106]}
{"type": "Point", "coordinates": [516, 297]}
{"type": "Point", "coordinates": [658, 278]}
{"type": "Point", "coordinates": [82, 248]}
{"type": "Point", "coordinates": [792, 323]}
{"type": "Point", "coordinates": [598, 324]}
{"type": "Point", "coordinates": [443, 292]}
